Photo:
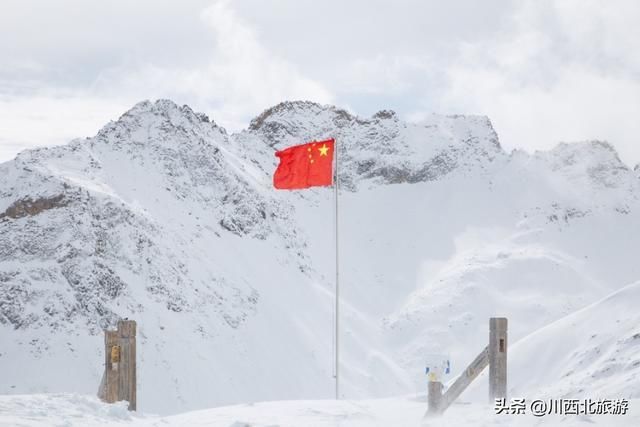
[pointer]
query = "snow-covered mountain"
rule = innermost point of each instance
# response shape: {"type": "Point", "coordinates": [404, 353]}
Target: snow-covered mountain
{"type": "Point", "coordinates": [166, 218]}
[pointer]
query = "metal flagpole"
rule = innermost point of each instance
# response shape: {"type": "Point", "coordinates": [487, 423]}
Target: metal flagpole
{"type": "Point", "coordinates": [337, 332]}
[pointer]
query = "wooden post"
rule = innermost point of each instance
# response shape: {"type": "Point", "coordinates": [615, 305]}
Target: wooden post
{"type": "Point", "coordinates": [434, 399]}
{"type": "Point", "coordinates": [111, 343]}
{"type": "Point", "coordinates": [127, 378]}
{"type": "Point", "coordinates": [119, 380]}
{"type": "Point", "coordinates": [497, 358]}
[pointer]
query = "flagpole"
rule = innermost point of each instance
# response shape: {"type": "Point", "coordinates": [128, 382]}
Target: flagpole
{"type": "Point", "coordinates": [337, 309]}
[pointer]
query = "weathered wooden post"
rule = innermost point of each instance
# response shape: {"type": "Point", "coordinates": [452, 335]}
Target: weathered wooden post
{"type": "Point", "coordinates": [434, 399]}
{"type": "Point", "coordinates": [119, 379]}
{"type": "Point", "coordinates": [497, 358]}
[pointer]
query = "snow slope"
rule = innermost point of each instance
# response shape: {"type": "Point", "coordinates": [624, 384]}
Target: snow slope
{"type": "Point", "coordinates": [591, 352]}
{"type": "Point", "coordinates": [165, 218]}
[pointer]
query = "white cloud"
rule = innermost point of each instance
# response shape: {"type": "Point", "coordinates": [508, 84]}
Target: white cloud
{"type": "Point", "coordinates": [239, 78]}
{"type": "Point", "coordinates": [560, 75]}
{"type": "Point", "coordinates": [544, 71]}
{"type": "Point", "coordinates": [244, 74]}
{"type": "Point", "coordinates": [46, 120]}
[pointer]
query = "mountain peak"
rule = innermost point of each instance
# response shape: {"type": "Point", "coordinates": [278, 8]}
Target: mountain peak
{"type": "Point", "coordinates": [289, 110]}
{"type": "Point", "coordinates": [586, 153]}
{"type": "Point", "coordinates": [166, 108]}
{"type": "Point", "coordinates": [598, 161]}
{"type": "Point", "coordinates": [148, 120]}
{"type": "Point", "coordinates": [382, 147]}
{"type": "Point", "coordinates": [385, 115]}
{"type": "Point", "coordinates": [294, 111]}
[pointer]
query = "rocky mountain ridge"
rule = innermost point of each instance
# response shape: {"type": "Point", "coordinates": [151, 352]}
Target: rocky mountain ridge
{"type": "Point", "coordinates": [165, 217]}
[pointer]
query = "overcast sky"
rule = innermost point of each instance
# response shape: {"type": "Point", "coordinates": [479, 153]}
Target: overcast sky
{"type": "Point", "coordinates": [543, 71]}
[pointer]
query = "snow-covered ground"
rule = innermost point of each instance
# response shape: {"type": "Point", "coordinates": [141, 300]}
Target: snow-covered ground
{"type": "Point", "coordinates": [72, 410]}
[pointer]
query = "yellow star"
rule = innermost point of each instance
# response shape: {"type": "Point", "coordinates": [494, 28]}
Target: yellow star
{"type": "Point", "coordinates": [323, 150]}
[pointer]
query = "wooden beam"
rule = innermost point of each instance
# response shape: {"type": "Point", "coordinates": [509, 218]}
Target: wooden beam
{"type": "Point", "coordinates": [494, 355]}
{"type": "Point", "coordinates": [438, 402]}
{"type": "Point", "coordinates": [471, 373]}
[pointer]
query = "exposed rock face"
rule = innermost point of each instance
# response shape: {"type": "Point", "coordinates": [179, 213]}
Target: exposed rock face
{"type": "Point", "coordinates": [28, 207]}
{"type": "Point", "coordinates": [97, 209]}
{"type": "Point", "coordinates": [596, 160]}
{"type": "Point", "coordinates": [383, 148]}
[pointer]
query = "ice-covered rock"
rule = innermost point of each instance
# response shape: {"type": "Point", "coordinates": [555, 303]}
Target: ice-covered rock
{"type": "Point", "coordinates": [383, 148]}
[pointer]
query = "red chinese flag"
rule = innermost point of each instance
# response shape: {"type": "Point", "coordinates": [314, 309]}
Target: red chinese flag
{"type": "Point", "coordinates": [304, 166]}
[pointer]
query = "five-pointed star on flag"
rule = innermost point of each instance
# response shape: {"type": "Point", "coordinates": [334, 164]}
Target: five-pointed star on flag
{"type": "Point", "coordinates": [323, 150]}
